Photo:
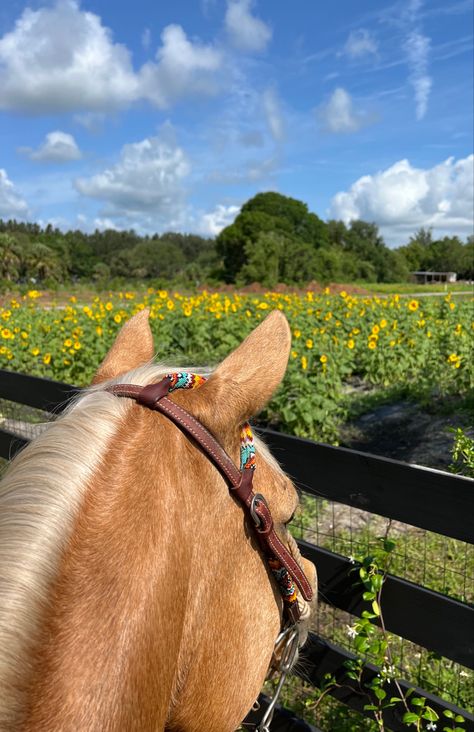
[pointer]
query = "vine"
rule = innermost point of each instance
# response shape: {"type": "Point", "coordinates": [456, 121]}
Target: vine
{"type": "Point", "coordinates": [373, 642]}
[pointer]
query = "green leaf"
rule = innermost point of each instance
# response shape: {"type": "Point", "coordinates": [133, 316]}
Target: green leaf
{"type": "Point", "coordinates": [418, 701]}
{"type": "Point", "coordinates": [410, 717]}
{"type": "Point", "coordinates": [375, 607]}
{"type": "Point", "coordinates": [370, 708]}
{"type": "Point", "coordinates": [430, 714]}
{"type": "Point", "coordinates": [448, 713]}
{"type": "Point", "coordinates": [377, 582]}
{"type": "Point", "coordinates": [380, 693]}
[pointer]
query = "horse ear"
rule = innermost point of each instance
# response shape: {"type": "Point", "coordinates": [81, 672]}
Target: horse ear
{"type": "Point", "coordinates": [132, 347]}
{"type": "Point", "coordinates": [247, 378]}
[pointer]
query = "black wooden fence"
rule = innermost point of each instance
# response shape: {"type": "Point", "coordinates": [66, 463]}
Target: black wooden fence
{"type": "Point", "coordinates": [425, 498]}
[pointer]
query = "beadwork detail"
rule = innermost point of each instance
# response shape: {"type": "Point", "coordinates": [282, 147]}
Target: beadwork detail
{"type": "Point", "coordinates": [285, 581]}
{"type": "Point", "coordinates": [185, 380]}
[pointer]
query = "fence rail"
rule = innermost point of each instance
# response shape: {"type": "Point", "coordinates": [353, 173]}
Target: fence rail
{"type": "Point", "coordinates": [414, 495]}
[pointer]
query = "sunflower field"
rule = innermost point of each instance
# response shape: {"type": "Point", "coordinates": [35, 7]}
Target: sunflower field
{"type": "Point", "coordinates": [391, 341]}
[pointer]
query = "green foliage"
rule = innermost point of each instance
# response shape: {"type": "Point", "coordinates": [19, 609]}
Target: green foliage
{"type": "Point", "coordinates": [463, 453]}
{"type": "Point", "coordinates": [274, 238]}
{"type": "Point", "coordinates": [448, 254]}
{"type": "Point", "coordinates": [286, 219]}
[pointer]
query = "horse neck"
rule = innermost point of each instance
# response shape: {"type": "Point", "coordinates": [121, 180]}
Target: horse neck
{"type": "Point", "coordinates": [111, 644]}
{"type": "Point", "coordinates": [152, 610]}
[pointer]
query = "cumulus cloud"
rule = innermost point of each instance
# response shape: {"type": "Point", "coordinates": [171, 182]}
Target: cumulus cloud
{"type": "Point", "coordinates": [273, 116]}
{"type": "Point", "coordinates": [145, 184]}
{"type": "Point", "coordinates": [360, 43]}
{"type": "Point", "coordinates": [246, 32]}
{"type": "Point", "coordinates": [182, 68]}
{"type": "Point", "coordinates": [61, 59]}
{"type": "Point", "coordinates": [12, 205]}
{"type": "Point", "coordinates": [403, 198]}
{"type": "Point", "coordinates": [212, 223]}
{"type": "Point", "coordinates": [58, 147]}
{"type": "Point", "coordinates": [338, 114]}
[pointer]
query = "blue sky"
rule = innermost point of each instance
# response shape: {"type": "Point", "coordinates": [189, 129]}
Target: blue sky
{"type": "Point", "coordinates": [159, 116]}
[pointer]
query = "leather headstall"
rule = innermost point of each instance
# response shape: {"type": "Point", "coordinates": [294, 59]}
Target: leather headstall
{"type": "Point", "coordinates": [154, 396]}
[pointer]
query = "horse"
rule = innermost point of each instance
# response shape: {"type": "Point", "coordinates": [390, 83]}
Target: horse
{"type": "Point", "coordinates": [134, 595]}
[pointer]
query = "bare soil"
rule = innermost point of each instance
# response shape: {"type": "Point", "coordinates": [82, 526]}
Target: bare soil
{"type": "Point", "coordinates": [405, 431]}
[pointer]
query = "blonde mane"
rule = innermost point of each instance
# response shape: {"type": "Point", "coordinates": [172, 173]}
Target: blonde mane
{"type": "Point", "coordinates": [40, 497]}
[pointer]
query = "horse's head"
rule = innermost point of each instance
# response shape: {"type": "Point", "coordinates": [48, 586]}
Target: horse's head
{"type": "Point", "coordinates": [162, 612]}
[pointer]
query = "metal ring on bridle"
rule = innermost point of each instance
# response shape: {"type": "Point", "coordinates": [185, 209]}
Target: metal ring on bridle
{"type": "Point", "coordinates": [258, 498]}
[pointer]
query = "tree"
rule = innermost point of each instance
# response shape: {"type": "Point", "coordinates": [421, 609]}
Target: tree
{"type": "Point", "coordinates": [42, 263]}
{"type": "Point", "coordinates": [263, 259]}
{"type": "Point", "coordinates": [265, 213]}
{"type": "Point", "coordinates": [10, 258]}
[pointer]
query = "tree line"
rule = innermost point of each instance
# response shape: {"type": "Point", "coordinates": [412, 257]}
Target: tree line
{"type": "Point", "coordinates": [274, 239]}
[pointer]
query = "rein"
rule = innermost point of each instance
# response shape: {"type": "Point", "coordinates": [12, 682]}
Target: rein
{"type": "Point", "coordinates": [287, 572]}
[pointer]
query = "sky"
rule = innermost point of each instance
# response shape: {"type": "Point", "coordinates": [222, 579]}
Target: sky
{"type": "Point", "coordinates": [162, 116]}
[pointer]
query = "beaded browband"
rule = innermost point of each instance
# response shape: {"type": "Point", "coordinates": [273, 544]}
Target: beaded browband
{"type": "Point", "coordinates": [286, 570]}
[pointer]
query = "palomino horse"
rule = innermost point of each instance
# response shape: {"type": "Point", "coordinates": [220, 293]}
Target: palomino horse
{"type": "Point", "coordinates": [134, 595]}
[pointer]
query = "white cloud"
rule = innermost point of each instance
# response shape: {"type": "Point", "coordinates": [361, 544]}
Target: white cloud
{"type": "Point", "coordinates": [246, 32]}
{"type": "Point", "coordinates": [250, 171]}
{"type": "Point", "coordinates": [12, 205]}
{"type": "Point", "coordinates": [271, 107]}
{"type": "Point", "coordinates": [338, 113]}
{"type": "Point", "coordinates": [183, 68]}
{"type": "Point", "coordinates": [360, 43]}
{"type": "Point", "coordinates": [104, 224]}
{"type": "Point", "coordinates": [61, 59]}
{"type": "Point", "coordinates": [211, 224]}
{"type": "Point", "coordinates": [58, 147]}
{"type": "Point", "coordinates": [402, 198]}
{"type": "Point", "coordinates": [417, 48]}
{"type": "Point", "coordinates": [146, 184]}
{"type": "Point", "coordinates": [91, 121]}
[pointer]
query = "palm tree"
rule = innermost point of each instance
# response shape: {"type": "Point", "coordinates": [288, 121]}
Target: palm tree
{"type": "Point", "coordinates": [42, 262]}
{"type": "Point", "coordinates": [10, 258]}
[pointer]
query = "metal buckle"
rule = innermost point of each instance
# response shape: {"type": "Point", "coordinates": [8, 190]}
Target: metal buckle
{"type": "Point", "coordinates": [258, 498]}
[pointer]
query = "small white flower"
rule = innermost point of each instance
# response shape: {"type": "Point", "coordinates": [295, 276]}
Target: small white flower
{"type": "Point", "coordinates": [463, 673]}
{"type": "Point", "coordinates": [352, 559]}
{"type": "Point", "coordinates": [351, 632]}
{"type": "Point", "coordinates": [431, 726]}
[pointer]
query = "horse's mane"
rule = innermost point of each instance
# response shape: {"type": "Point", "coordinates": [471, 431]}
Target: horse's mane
{"type": "Point", "coordinates": [40, 496]}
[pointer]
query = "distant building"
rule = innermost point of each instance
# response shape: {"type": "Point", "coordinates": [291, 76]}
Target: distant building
{"type": "Point", "coordinates": [425, 278]}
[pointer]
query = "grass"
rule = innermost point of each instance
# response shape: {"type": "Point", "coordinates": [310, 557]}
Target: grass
{"type": "Point", "coordinates": [409, 288]}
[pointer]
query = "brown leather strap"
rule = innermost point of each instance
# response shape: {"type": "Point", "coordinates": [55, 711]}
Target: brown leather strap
{"type": "Point", "coordinates": [154, 397]}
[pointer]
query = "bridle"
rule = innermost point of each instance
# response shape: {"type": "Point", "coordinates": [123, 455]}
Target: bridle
{"type": "Point", "coordinates": [288, 573]}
